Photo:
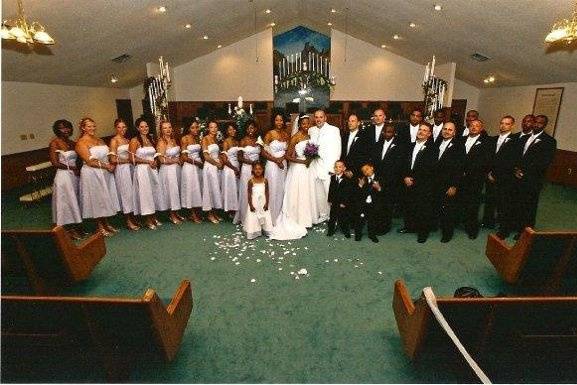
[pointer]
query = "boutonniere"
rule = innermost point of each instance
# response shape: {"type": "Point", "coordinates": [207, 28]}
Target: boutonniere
{"type": "Point", "coordinates": [507, 139]}
{"type": "Point", "coordinates": [355, 138]}
{"type": "Point", "coordinates": [478, 143]}
{"type": "Point", "coordinates": [393, 145]}
{"type": "Point", "coordinates": [450, 145]}
{"type": "Point", "coordinates": [422, 148]}
{"type": "Point", "coordinates": [537, 140]}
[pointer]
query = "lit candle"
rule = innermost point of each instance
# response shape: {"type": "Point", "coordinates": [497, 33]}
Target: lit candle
{"type": "Point", "coordinates": [167, 73]}
{"type": "Point", "coordinates": [250, 108]}
{"type": "Point", "coordinates": [229, 109]}
{"type": "Point", "coordinates": [304, 66]}
{"type": "Point", "coordinates": [276, 80]}
{"type": "Point", "coordinates": [240, 102]}
{"type": "Point", "coordinates": [433, 66]}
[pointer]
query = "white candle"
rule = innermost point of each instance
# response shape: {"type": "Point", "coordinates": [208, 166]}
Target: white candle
{"type": "Point", "coordinates": [240, 102]}
{"type": "Point", "coordinates": [229, 109]}
{"type": "Point", "coordinates": [433, 66]}
{"type": "Point", "coordinates": [279, 68]}
{"type": "Point", "coordinates": [250, 108]}
{"type": "Point", "coordinates": [304, 66]}
{"type": "Point", "coordinates": [167, 73]}
{"type": "Point", "coordinates": [276, 80]}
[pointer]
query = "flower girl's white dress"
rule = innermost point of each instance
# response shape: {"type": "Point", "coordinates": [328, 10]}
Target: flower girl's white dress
{"type": "Point", "coordinates": [259, 222]}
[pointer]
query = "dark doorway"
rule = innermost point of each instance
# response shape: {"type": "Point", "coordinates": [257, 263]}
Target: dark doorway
{"type": "Point", "coordinates": [124, 111]}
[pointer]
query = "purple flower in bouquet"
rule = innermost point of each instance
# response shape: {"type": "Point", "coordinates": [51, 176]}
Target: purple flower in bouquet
{"type": "Point", "coordinates": [311, 150]}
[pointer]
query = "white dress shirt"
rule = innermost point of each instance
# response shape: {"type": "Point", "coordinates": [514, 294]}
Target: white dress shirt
{"type": "Point", "coordinates": [378, 130]}
{"type": "Point", "coordinates": [416, 149]}
{"type": "Point", "coordinates": [471, 140]}
{"type": "Point", "coordinates": [436, 131]}
{"type": "Point", "coordinates": [352, 136]}
{"type": "Point", "coordinates": [444, 144]}
{"type": "Point", "coordinates": [501, 139]}
{"type": "Point", "coordinates": [530, 141]}
{"type": "Point", "coordinates": [413, 130]}
{"type": "Point", "coordinates": [386, 146]}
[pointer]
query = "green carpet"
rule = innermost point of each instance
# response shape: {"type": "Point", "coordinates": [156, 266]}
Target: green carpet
{"type": "Point", "coordinates": [334, 325]}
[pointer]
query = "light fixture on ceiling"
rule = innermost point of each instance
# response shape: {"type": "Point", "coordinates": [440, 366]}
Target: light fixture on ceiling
{"type": "Point", "coordinates": [333, 10]}
{"type": "Point", "coordinates": [272, 24]}
{"type": "Point", "coordinates": [412, 25]}
{"type": "Point", "coordinates": [22, 32]}
{"type": "Point", "coordinates": [161, 9]}
{"type": "Point", "coordinates": [396, 37]}
{"type": "Point", "coordinates": [489, 79]}
{"type": "Point", "coordinates": [329, 24]}
{"type": "Point", "coordinates": [205, 37]}
{"type": "Point", "coordinates": [188, 26]}
{"type": "Point", "coordinates": [564, 30]}
{"type": "Point", "coordinates": [383, 46]}
{"type": "Point", "coordinates": [267, 11]}
{"type": "Point", "coordinates": [113, 79]}
{"type": "Point", "coordinates": [438, 7]}
{"type": "Point", "coordinates": [219, 46]}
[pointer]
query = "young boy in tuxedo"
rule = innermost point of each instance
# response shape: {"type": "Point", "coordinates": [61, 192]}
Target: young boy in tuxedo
{"type": "Point", "coordinates": [369, 200]}
{"type": "Point", "coordinates": [340, 191]}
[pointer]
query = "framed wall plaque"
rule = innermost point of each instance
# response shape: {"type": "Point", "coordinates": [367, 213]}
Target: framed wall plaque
{"type": "Point", "coordinates": [548, 102]}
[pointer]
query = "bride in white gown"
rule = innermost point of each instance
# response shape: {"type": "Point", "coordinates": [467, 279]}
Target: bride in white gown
{"type": "Point", "coordinates": [296, 212]}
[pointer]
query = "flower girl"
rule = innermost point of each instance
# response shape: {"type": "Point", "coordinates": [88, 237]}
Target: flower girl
{"type": "Point", "coordinates": [257, 220]}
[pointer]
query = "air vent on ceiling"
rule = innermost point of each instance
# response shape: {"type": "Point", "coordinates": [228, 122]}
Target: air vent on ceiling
{"type": "Point", "coordinates": [122, 58]}
{"type": "Point", "coordinates": [479, 57]}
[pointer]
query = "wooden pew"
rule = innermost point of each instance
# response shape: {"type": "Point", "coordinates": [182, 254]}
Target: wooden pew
{"type": "Point", "coordinates": [119, 332]}
{"type": "Point", "coordinates": [539, 262]}
{"type": "Point", "coordinates": [510, 338]}
{"type": "Point", "coordinates": [48, 259]}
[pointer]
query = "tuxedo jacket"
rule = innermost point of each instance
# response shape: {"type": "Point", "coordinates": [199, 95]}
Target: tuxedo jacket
{"type": "Point", "coordinates": [501, 162]}
{"type": "Point", "coordinates": [369, 190]}
{"type": "Point", "coordinates": [476, 165]}
{"type": "Point", "coordinates": [449, 167]}
{"type": "Point", "coordinates": [358, 153]}
{"type": "Point", "coordinates": [340, 193]}
{"type": "Point", "coordinates": [535, 162]}
{"type": "Point", "coordinates": [423, 171]}
{"type": "Point", "coordinates": [390, 167]}
{"type": "Point", "coordinates": [404, 133]}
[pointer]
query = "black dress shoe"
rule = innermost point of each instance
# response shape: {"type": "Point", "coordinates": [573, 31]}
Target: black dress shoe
{"type": "Point", "coordinates": [446, 239]}
{"type": "Point", "coordinates": [358, 237]}
{"type": "Point", "coordinates": [347, 235]}
{"type": "Point", "coordinates": [488, 225]}
{"type": "Point", "coordinates": [422, 239]}
{"type": "Point", "coordinates": [403, 230]}
{"type": "Point", "coordinates": [473, 236]}
{"type": "Point", "coordinates": [330, 233]}
{"type": "Point", "coordinates": [374, 239]}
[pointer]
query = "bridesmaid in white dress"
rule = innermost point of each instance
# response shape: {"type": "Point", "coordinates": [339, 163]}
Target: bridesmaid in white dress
{"type": "Point", "coordinates": [98, 196]}
{"type": "Point", "coordinates": [123, 173]}
{"type": "Point", "coordinates": [296, 212]}
{"type": "Point", "coordinates": [275, 145]}
{"type": "Point", "coordinates": [191, 180]}
{"type": "Point", "coordinates": [211, 193]}
{"type": "Point", "coordinates": [248, 155]}
{"type": "Point", "coordinates": [257, 220]}
{"type": "Point", "coordinates": [169, 173]}
{"type": "Point", "coordinates": [145, 181]}
{"type": "Point", "coordinates": [65, 207]}
{"type": "Point", "coordinates": [230, 172]}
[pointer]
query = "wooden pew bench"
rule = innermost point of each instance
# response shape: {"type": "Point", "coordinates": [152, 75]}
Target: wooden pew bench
{"type": "Point", "coordinates": [47, 260]}
{"type": "Point", "coordinates": [521, 339]}
{"type": "Point", "coordinates": [118, 332]}
{"type": "Point", "coordinates": [540, 263]}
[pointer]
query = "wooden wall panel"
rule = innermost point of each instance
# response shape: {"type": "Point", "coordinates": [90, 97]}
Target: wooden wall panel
{"type": "Point", "coordinates": [563, 170]}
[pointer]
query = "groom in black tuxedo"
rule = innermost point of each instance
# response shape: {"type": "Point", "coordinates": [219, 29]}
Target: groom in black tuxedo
{"type": "Point", "coordinates": [340, 197]}
{"type": "Point", "coordinates": [354, 151]}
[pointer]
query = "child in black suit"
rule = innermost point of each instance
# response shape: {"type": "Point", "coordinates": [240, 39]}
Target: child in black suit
{"type": "Point", "coordinates": [340, 196]}
{"type": "Point", "coordinates": [369, 199]}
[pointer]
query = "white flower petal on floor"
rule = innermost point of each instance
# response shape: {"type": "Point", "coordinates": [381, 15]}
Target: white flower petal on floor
{"type": "Point", "coordinates": [253, 280]}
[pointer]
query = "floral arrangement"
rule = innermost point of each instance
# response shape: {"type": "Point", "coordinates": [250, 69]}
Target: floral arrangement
{"type": "Point", "coordinates": [241, 117]}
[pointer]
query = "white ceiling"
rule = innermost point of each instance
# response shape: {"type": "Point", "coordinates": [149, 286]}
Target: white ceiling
{"type": "Point", "coordinates": [89, 33]}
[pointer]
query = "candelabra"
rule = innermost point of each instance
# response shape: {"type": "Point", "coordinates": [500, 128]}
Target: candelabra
{"type": "Point", "coordinates": [157, 89]}
{"type": "Point", "coordinates": [299, 72]}
{"type": "Point", "coordinates": [434, 89]}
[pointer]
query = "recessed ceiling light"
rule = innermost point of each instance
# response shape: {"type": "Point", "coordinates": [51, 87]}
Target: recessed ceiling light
{"type": "Point", "coordinates": [485, 81]}
{"type": "Point", "coordinates": [383, 46]}
{"type": "Point", "coordinates": [219, 46]}
{"type": "Point", "coordinates": [491, 78]}
{"type": "Point", "coordinates": [188, 26]}
{"type": "Point", "coordinates": [267, 10]}
{"type": "Point", "coordinates": [412, 25]}
{"type": "Point", "coordinates": [205, 37]}
{"type": "Point", "coordinates": [329, 23]}
{"type": "Point", "coordinates": [272, 24]}
{"type": "Point", "coordinates": [333, 10]}
{"type": "Point", "coordinates": [396, 37]}
{"type": "Point", "coordinates": [161, 9]}
{"type": "Point", "coordinates": [113, 79]}
{"type": "Point", "coordinates": [438, 7]}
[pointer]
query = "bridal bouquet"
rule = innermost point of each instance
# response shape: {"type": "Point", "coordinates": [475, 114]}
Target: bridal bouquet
{"type": "Point", "coordinates": [311, 150]}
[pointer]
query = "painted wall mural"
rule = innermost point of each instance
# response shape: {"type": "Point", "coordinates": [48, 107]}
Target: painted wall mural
{"type": "Point", "coordinates": [302, 69]}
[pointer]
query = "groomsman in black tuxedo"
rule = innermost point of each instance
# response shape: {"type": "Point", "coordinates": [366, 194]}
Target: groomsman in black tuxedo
{"type": "Point", "coordinates": [502, 153]}
{"type": "Point", "coordinates": [369, 201]}
{"type": "Point", "coordinates": [474, 173]}
{"type": "Point", "coordinates": [419, 179]}
{"type": "Point", "coordinates": [469, 118]}
{"type": "Point", "coordinates": [526, 127]}
{"type": "Point", "coordinates": [340, 197]}
{"type": "Point", "coordinates": [388, 160]}
{"type": "Point", "coordinates": [372, 134]}
{"type": "Point", "coordinates": [439, 118]}
{"type": "Point", "coordinates": [449, 171]}
{"type": "Point", "coordinates": [354, 151]}
{"type": "Point", "coordinates": [407, 132]}
{"type": "Point", "coordinates": [537, 152]}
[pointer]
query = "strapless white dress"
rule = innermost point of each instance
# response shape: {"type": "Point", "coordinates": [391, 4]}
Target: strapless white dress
{"type": "Point", "coordinates": [211, 194]}
{"type": "Point", "coordinates": [251, 153]}
{"type": "Point", "coordinates": [230, 181]}
{"type": "Point", "coordinates": [65, 207]}
{"type": "Point", "coordinates": [276, 178]}
{"type": "Point", "coordinates": [98, 194]}
{"type": "Point", "coordinates": [191, 180]}
{"type": "Point", "coordinates": [145, 184]}
{"type": "Point", "coordinates": [123, 177]}
{"type": "Point", "coordinates": [258, 223]}
{"type": "Point", "coordinates": [169, 177]}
